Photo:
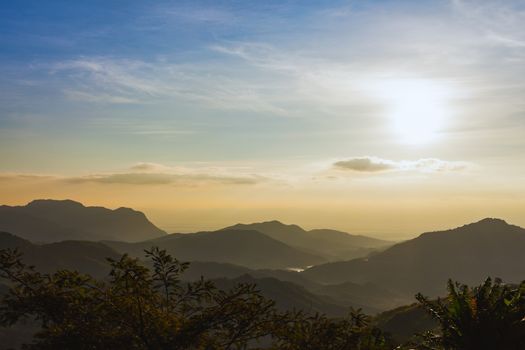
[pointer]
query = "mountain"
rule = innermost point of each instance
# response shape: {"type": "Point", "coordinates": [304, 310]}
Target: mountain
{"type": "Point", "coordinates": [214, 270]}
{"type": "Point", "coordinates": [250, 249]}
{"type": "Point", "coordinates": [404, 322]}
{"type": "Point", "coordinates": [85, 257]}
{"type": "Point", "coordinates": [291, 289]}
{"type": "Point", "coordinates": [369, 297]}
{"type": "Point", "coordinates": [331, 244]}
{"type": "Point", "coordinates": [57, 220]}
{"type": "Point", "coordinates": [287, 295]}
{"type": "Point", "coordinates": [468, 254]}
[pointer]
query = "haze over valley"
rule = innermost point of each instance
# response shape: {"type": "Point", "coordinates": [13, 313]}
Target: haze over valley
{"type": "Point", "coordinates": [333, 269]}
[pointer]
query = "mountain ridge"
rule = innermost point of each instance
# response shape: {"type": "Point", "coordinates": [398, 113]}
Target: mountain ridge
{"type": "Point", "coordinates": [333, 245]}
{"type": "Point", "coordinates": [248, 248]}
{"type": "Point", "coordinates": [470, 253]}
{"type": "Point", "coordinates": [83, 256]}
{"type": "Point", "coordinates": [49, 220]}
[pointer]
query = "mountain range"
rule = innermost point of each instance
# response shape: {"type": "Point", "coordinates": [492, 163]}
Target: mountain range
{"type": "Point", "coordinates": [58, 220]}
{"type": "Point", "coordinates": [66, 234]}
{"type": "Point", "coordinates": [247, 248]}
{"type": "Point", "coordinates": [83, 256]}
{"type": "Point", "coordinates": [469, 254]}
{"type": "Point", "coordinates": [332, 245]}
{"type": "Point", "coordinates": [271, 245]}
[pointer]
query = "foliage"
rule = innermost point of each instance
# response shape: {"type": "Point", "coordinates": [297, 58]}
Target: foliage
{"type": "Point", "coordinates": [312, 332]}
{"type": "Point", "coordinates": [138, 307]}
{"type": "Point", "coordinates": [491, 316]}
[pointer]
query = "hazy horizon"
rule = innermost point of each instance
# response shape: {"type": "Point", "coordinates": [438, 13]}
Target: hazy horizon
{"type": "Point", "coordinates": [173, 228]}
{"type": "Point", "coordinates": [388, 118]}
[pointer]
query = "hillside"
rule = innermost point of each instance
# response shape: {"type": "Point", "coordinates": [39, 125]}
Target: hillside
{"type": "Point", "coordinates": [370, 298]}
{"type": "Point", "coordinates": [404, 322]}
{"type": "Point", "coordinates": [287, 295]}
{"type": "Point", "coordinates": [57, 220]}
{"type": "Point", "coordinates": [469, 254]}
{"type": "Point", "coordinates": [331, 244]}
{"type": "Point", "coordinates": [85, 257]}
{"type": "Point", "coordinates": [289, 289]}
{"type": "Point", "coordinates": [239, 247]}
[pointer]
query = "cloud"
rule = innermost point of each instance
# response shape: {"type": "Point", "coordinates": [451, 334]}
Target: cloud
{"type": "Point", "coordinates": [149, 167]}
{"type": "Point", "coordinates": [101, 79]}
{"type": "Point", "coordinates": [146, 173]}
{"type": "Point", "coordinates": [302, 75]}
{"type": "Point", "coordinates": [434, 165]}
{"type": "Point", "coordinates": [167, 179]}
{"type": "Point", "coordinates": [124, 81]}
{"type": "Point", "coordinates": [84, 96]}
{"type": "Point", "coordinates": [365, 164]}
{"type": "Point", "coordinates": [377, 165]}
{"type": "Point", "coordinates": [7, 177]}
{"type": "Point", "coordinates": [501, 21]}
{"type": "Point", "coordinates": [322, 75]}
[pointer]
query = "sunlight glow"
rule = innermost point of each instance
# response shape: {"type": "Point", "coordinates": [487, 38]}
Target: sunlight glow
{"type": "Point", "coordinates": [417, 109]}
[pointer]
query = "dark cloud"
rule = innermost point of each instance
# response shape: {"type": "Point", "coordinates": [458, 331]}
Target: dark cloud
{"type": "Point", "coordinates": [365, 164]}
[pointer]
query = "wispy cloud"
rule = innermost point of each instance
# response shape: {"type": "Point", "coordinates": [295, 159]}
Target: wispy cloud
{"type": "Point", "coordinates": [10, 176]}
{"type": "Point", "coordinates": [500, 21]}
{"type": "Point", "coordinates": [122, 81]}
{"type": "Point", "coordinates": [377, 165]}
{"type": "Point", "coordinates": [146, 173]}
{"type": "Point", "coordinates": [167, 179]}
{"type": "Point", "coordinates": [314, 76]}
{"type": "Point", "coordinates": [318, 71]}
{"type": "Point", "coordinates": [84, 96]}
{"type": "Point", "coordinates": [99, 79]}
{"type": "Point", "coordinates": [149, 167]}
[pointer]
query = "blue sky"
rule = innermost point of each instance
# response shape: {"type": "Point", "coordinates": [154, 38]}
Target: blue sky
{"type": "Point", "coordinates": [343, 102]}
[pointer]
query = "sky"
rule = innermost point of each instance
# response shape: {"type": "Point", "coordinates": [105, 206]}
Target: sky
{"type": "Point", "coordinates": [386, 117]}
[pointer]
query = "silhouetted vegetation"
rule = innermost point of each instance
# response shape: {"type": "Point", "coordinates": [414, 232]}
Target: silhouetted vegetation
{"type": "Point", "coordinates": [138, 307]}
{"type": "Point", "coordinates": [149, 307]}
{"type": "Point", "coordinates": [491, 316]}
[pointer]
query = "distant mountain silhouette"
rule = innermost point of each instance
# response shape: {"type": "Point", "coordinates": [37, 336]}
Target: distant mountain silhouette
{"type": "Point", "coordinates": [331, 244]}
{"type": "Point", "coordinates": [85, 257]}
{"type": "Point", "coordinates": [468, 254]}
{"type": "Point", "coordinates": [57, 220]}
{"type": "Point", "coordinates": [287, 295]}
{"type": "Point", "coordinates": [245, 248]}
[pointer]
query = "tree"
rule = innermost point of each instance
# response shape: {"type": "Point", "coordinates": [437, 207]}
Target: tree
{"type": "Point", "coordinates": [313, 332]}
{"type": "Point", "coordinates": [135, 309]}
{"type": "Point", "coordinates": [138, 307]}
{"type": "Point", "coordinates": [491, 316]}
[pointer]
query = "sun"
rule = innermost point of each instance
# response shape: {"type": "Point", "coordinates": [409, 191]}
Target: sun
{"type": "Point", "coordinates": [417, 110]}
